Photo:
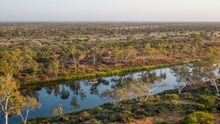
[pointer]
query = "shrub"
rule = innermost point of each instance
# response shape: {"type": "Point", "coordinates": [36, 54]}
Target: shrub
{"type": "Point", "coordinates": [200, 106]}
{"type": "Point", "coordinates": [140, 113]}
{"type": "Point", "coordinates": [206, 100]}
{"type": "Point", "coordinates": [213, 110]}
{"type": "Point", "coordinates": [198, 118]}
{"type": "Point", "coordinates": [126, 115]}
{"type": "Point", "coordinates": [172, 96]}
{"type": "Point", "coordinates": [97, 110]}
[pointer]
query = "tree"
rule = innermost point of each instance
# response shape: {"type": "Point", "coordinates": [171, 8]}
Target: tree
{"type": "Point", "coordinates": [182, 74]}
{"type": "Point", "coordinates": [117, 53]}
{"type": "Point", "coordinates": [149, 50]}
{"type": "Point", "coordinates": [129, 54]}
{"type": "Point", "coordinates": [74, 53]}
{"type": "Point", "coordinates": [28, 61]}
{"type": "Point", "coordinates": [94, 52]}
{"type": "Point", "coordinates": [11, 62]}
{"type": "Point", "coordinates": [28, 105]}
{"type": "Point", "coordinates": [120, 94]}
{"type": "Point", "coordinates": [197, 37]}
{"type": "Point", "coordinates": [209, 68]}
{"type": "Point", "coordinates": [53, 67]}
{"type": "Point", "coordinates": [141, 88]}
{"type": "Point", "coordinates": [11, 101]}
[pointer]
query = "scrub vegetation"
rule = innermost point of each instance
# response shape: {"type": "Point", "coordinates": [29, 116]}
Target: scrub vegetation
{"type": "Point", "coordinates": [40, 54]}
{"type": "Point", "coordinates": [193, 106]}
{"type": "Point", "coordinates": [31, 52]}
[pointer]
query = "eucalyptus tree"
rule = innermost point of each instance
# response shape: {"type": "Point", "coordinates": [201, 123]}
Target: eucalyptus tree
{"type": "Point", "coordinates": [182, 74]}
{"type": "Point", "coordinates": [141, 88]}
{"type": "Point", "coordinates": [11, 62]}
{"type": "Point", "coordinates": [117, 94]}
{"type": "Point", "coordinates": [29, 104]}
{"type": "Point", "coordinates": [14, 61]}
{"type": "Point", "coordinates": [11, 101]}
{"type": "Point", "coordinates": [28, 61]}
{"type": "Point", "coordinates": [129, 54]}
{"type": "Point", "coordinates": [94, 52]}
{"type": "Point", "coordinates": [149, 50]}
{"type": "Point", "coordinates": [117, 54]}
{"type": "Point", "coordinates": [210, 69]}
{"type": "Point", "coordinates": [128, 87]}
{"type": "Point", "coordinates": [75, 54]}
{"type": "Point", "coordinates": [52, 67]}
{"type": "Point", "coordinates": [196, 73]}
{"type": "Point", "coordinates": [149, 80]}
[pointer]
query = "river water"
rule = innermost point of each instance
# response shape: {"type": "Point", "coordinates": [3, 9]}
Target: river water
{"type": "Point", "coordinates": [79, 95]}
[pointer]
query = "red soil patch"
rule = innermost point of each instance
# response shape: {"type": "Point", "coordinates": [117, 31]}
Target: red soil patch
{"type": "Point", "coordinates": [173, 118]}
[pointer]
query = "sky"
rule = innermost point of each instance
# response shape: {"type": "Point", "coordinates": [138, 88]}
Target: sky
{"type": "Point", "coordinates": [109, 10]}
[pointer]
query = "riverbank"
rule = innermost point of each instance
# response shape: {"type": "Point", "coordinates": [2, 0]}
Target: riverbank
{"type": "Point", "coordinates": [203, 98]}
{"type": "Point", "coordinates": [103, 74]}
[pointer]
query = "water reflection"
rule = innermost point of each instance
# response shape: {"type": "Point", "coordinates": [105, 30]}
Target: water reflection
{"type": "Point", "coordinates": [79, 95]}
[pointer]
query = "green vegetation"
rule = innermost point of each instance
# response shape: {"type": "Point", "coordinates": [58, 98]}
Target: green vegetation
{"type": "Point", "coordinates": [172, 96]}
{"type": "Point", "coordinates": [199, 118]}
{"type": "Point", "coordinates": [12, 102]}
{"type": "Point", "coordinates": [128, 110]}
{"type": "Point", "coordinates": [102, 74]}
{"type": "Point", "coordinates": [55, 52]}
{"type": "Point", "coordinates": [33, 54]}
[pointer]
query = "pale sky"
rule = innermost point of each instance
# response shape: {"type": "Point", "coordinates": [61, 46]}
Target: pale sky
{"type": "Point", "coordinates": [109, 10]}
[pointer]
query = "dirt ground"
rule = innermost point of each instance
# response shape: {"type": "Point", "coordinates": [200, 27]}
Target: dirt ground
{"type": "Point", "coordinates": [173, 119]}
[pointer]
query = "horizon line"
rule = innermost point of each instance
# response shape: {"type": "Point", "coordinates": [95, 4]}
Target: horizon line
{"type": "Point", "coordinates": [102, 22]}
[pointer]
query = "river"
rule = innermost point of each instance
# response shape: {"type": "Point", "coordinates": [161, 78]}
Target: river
{"type": "Point", "coordinates": [83, 94]}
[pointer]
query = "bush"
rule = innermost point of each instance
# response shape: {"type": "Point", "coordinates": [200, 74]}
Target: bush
{"type": "Point", "coordinates": [198, 118]}
{"type": "Point", "coordinates": [214, 110]}
{"type": "Point", "coordinates": [140, 113]}
{"type": "Point", "coordinates": [172, 96]}
{"type": "Point", "coordinates": [206, 100]}
{"type": "Point", "coordinates": [126, 115]}
{"type": "Point", "coordinates": [200, 106]}
{"type": "Point", "coordinates": [97, 110]}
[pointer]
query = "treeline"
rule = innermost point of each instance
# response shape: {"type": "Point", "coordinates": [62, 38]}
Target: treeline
{"type": "Point", "coordinates": [45, 30]}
